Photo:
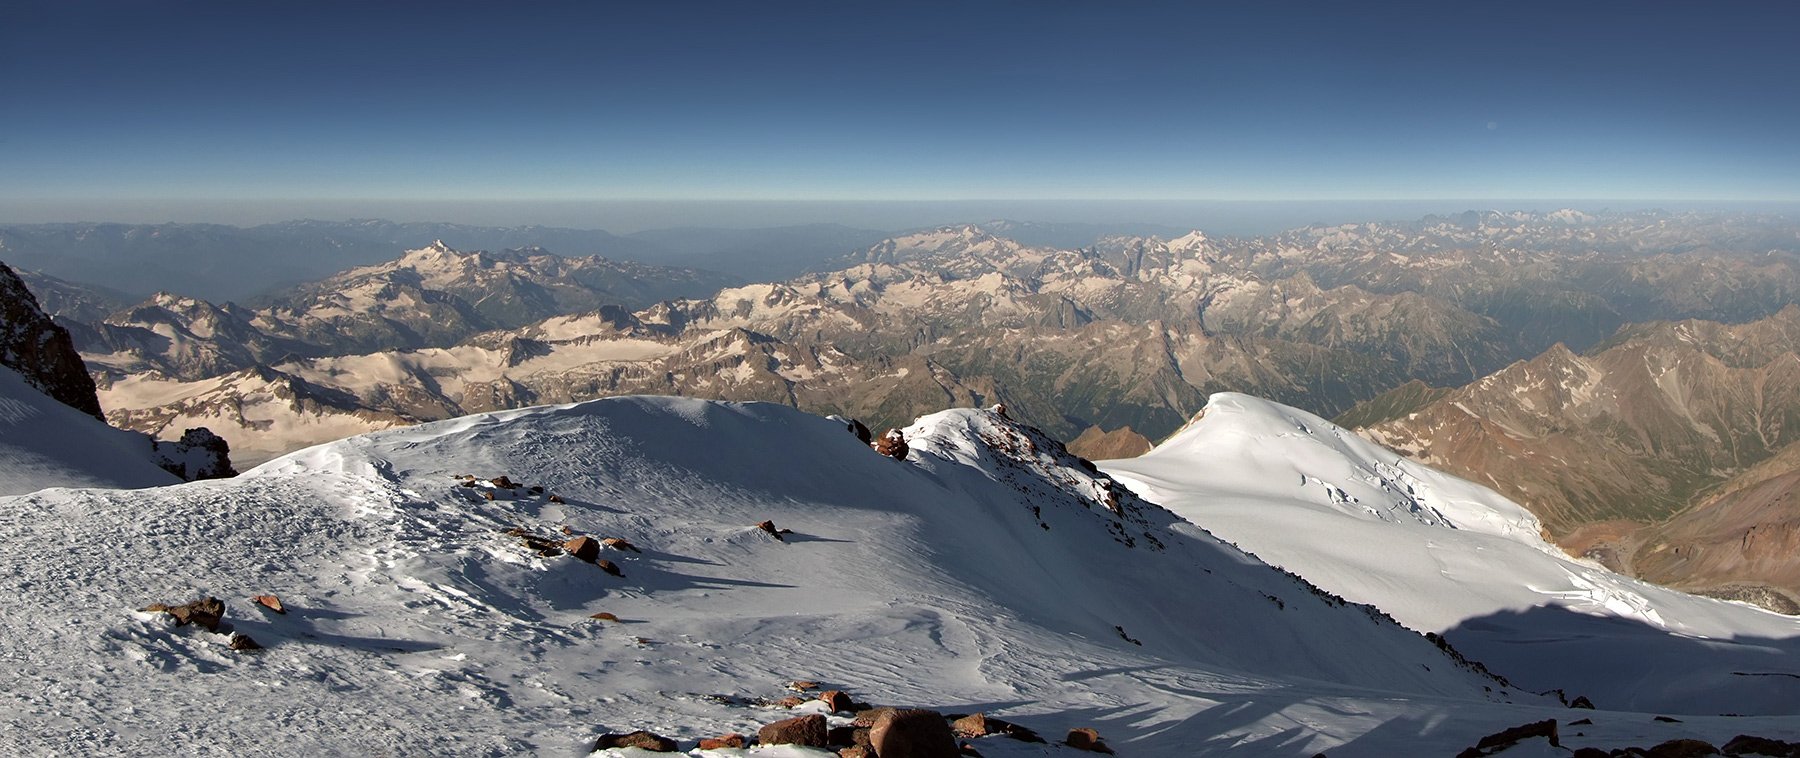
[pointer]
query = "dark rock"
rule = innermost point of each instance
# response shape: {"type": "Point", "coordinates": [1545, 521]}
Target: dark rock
{"type": "Point", "coordinates": [730, 740]}
{"type": "Point", "coordinates": [41, 351]}
{"type": "Point", "coordinates": [609, 567]}
{"type": "Point", "coordinates": [639, 739]}
{"type": "Point", "coordinates": [1581, 701]}
{"type": "Point", "coordinates": [836, 700]}
{"type": "Point", "coordinates": [1667, 720]}
{"type": "Point", "coordinates": [584, 548]}
{"type": "Point", "coordinates": [769, 526]}
{"type": "Point", "coordinates": [507, 484]}
{"type": "Point", "coordinates": [1084, 738]}
{"type": "Point", "coordinates": [199, 454]}
{"type": "Point", "coordinates": [808, 730]}
{"type": "Point", "coordinates": [1745, 744]}
{"type": "Point", "coordinates": [912, 733]}
{"type": "Point", "coordinates": [206, 612]}
{"type": "Point", "coordinates": [892, 445]}
{"type": "Point", "coordinates": [604, 616]}
{"type": "Point", "coordinates": [1592, 752]}
{"type": "Point", "coordinates": [861, 432]}
{"type": "Point", "coordinates": [1683, 748]}
{"type": "Point", "coordinates": [556, 498]}
{"type": "Point", "coordinates": [1581, 722]}
{"type": "Point", "coordinates": [243, 642]}
{"type": "Point", "coordinates": [841, 736]}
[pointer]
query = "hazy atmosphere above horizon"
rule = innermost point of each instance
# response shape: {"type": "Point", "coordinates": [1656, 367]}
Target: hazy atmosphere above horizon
{"type": "Point", "coordinates": [548, 112]}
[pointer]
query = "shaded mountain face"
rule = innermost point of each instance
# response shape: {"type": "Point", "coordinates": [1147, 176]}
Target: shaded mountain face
{"type": "Point", "coordinates": [39, 350]}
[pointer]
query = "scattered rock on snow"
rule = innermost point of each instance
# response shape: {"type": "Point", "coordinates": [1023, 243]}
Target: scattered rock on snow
{"type": "Point", "coordinates": [556, 499]}
{"type": "Point", "coordinates": [206, 612]}
{"type": "Point", "coordinates": [733, 740]}
{"type": "Point", "coordinates": [1085, 738]}
{"type": "Point", "coordinates": [241, 641]}
{"type": "Point", "coordinates": [892, 445]}
{"type": "Point", "coordinates": [808, 730]}
{"type": "Point", "coordinates": [270, 602]}
{"type": "Point", "coordinates": [1506, 738]}
{"type": "Point", "coordinates": [912, 733]}
{"type": "Point", "coordinates": [619, 544]}
{"type": "Point", "coordinates": [1745, 744]}
{"type": "Point", "coordinates": [836, 700]}
{"type": "Point", "coordinates": [803, 685]}
{"type": "Point", "coordinates": [609, 567]}
{"type": "Point", "coordinates": [982, 725]}
{"type": "Point", "coordinates": [584, 548]}
{"type": "Point", "coordinates": [769, 526]}
{"type": "Point", "coordinates": [604, 616]}
{"type": "Point", "coordinates": [639, 739]}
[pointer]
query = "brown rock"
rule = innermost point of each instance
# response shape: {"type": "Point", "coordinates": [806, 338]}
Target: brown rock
{"type": "Point", "coordinates": [730, 740]}
{"type": "Point", "coordinates": [803, 685]}
{"type": "Point", "coordinates": [567, 532]}
{"type": "Point", "coordinates": [1085, 738]}
{"type": "Point", "coordinates": [639, 739]}
{"type": "Point", "coordinates": [808, 730]}
{"type": "Point", "coordinates": [205, 612]}
{"type": "Point", "coordinates": [912, 733]}
{"type": "Point", "coordinates": [981, 725]}
{"type": "Point", "coordinates": [855, 751]}
{"type": "Point", "coordinates": [270, 602]}
{"type": "Point", "coordinates": [155, 608]}
{"type": "Point", "coordinates": [604, 616]}
{"type": "Point", "coordinates": [836, 700]}
{"type": "Point", "coordinates": [619, 544]}
{"type": "Point", "coordinates": [892, 445]}
{"type": "Point", "coordinates": [867, 718]}
{"type": "Point", "coordinates": [608, 566]}
{"type": "Point", "coordinates": [243, 642]}
{"type": "Point", "coordinates": [1683, 748]}
{"type": "Point", "coordinates": [507, 484]}
{"type": "Point", "coordinates": [769, 526]}
{"type": "Point", "coordinates": [488, 494]}
{"type": "Point", "coordinates": [556, 499]}
{"type": "Point", "coordinates": [790, 701]}
{"type": "Point", "coordinates": [584, 548]}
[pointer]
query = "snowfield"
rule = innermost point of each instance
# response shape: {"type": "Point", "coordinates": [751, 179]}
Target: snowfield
{"type": "Point", "coordinates": [44, 443]}
{"type": "Point", "coordinates": [988, 571]}
{"type": "Point", "coordinates": [1446, 555]}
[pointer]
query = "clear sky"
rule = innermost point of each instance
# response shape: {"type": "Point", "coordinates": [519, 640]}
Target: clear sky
{"type": "Point", "coordinates": [169, 101]}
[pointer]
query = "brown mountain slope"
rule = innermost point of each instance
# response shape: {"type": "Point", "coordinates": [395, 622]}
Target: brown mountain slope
{"type": "Point", "coordinates": [1634, 430]}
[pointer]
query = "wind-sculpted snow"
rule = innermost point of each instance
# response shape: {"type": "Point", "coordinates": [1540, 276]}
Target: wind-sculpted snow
{"type": "Point", "coordinates": [44, 443]}
{"type": "Point", "coordinates": [986, 572]}
{"type": "Point", "coordinates": [1446, 555]}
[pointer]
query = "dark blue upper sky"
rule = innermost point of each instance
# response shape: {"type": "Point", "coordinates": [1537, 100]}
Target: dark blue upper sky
{"type": "Point", "coordinates": [828, 100]}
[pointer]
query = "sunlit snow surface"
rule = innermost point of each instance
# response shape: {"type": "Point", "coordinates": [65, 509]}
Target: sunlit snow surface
{"type": "Point", "coordinates": [1443, 554]}
{"type": "Point", "coordinates": [416, 626]}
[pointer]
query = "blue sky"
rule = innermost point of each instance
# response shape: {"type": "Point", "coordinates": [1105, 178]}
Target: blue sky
{"type": "Point", "coordinates": [138, 101]}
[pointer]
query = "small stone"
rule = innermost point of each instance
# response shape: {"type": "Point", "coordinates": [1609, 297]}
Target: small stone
{"type": "Point", "coordinates": [504, 483]}
{"type": "Point", "coordinates": [488, 494]}
{"type": "Point", "coordinates": [803, 685]}
{"type": "Point", "coordinates": [243, 642]}
{"type": "Point", "coordinates": [1667, 720]}
{"type": "Point", "coordinates": [556, 499]}
{"type": "Point", "coordinates": [619, 544]}
{"type": "Point", "coordinates": [609, 567]}
{"type": "Point", "coordinates": [1084, 738]}
{"type": "Point", "coordinates": [912, 733]}
{"type": "Point", "coordinates": [836, 700]}
{"type": "Point", "coordinates": [733, 740]}
{"type": "Point", "coordinates": [584, 548]}
{"type": "Point", "coordinates": [567, 532]}
{"type": "Point", "coordinates": [604, 616]}
{"type": "Point", "coordinates": [808, 730]}
{"type": "Point", "coordinates": [270, 602]}
{"type": "Point", "coordinates": [790, 701]}
{"type": "Point", "coordinates": [639, 739]}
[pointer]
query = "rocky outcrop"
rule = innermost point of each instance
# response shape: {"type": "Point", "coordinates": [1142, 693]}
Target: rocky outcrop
{"type": "Point", "coordinates": [41, 351]}
{"type": "Point", "coordinates": [912, 733]}
{"type": "Point", "coordinates": [199, 454]}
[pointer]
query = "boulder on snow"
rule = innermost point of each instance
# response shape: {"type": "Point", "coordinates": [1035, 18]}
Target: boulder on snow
{"type": "Point", "coordinates": [913, 733]}
{"type": "Point", "coordinates": [609, 567]}
{"type": "Point", "coordinates": [241, 641]}
{"type": "Point", "coordinates": [1086, 738]}
{"type": "Point", "coordinates": [1745, 744]}
{"type": "Point", "coordinates": [199, 454]}
{"type": "Point", "coordinates": [584, 548]}
{"type": "Point", "coordinates": [556, 499]}
{"type": "Point", "coordinates": [733, 740]}
{"type": "Point", "coordinates": [619, 544]}
{"type": "Point", "coordinates": [639, 739]}
{"type": "Point", "coordinates": [1581, 701]}
{"type": "Point", "coordinates": [791, 701]}
{"type": "Point", "coordinates": [1506, 738]}
{"type": "Point", "coordinates": [205, 612]}
{"type": "Point", "coordinates": [769, 526]}
{"type": "Point", "coordinates": [1682, 748]}
{"type": "Point", "coordinates": [803, 685]}
{"type": "Point", "coordinates": [836, 700]}
{"type": "Point", "coordinates": [270, 602]}
{"type": "Point", "coordinates": [892, 444]}
{"type": "Point", "coordinates": [507, 484]}
{"type": "Point", "coordinates": [604, 616]}
{"type": "Point", "coordinates": [808, 730]}
{"type": "Point", "coordinates": [982, 725]}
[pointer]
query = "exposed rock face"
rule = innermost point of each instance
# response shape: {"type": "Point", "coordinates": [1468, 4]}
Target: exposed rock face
{"type": "Point", "coordinates": [892, 445]}
{"type": "Point", "coordinates": [912, 733]}
{"type": "Point", "coordinates": [584, 548]}
{"type": "Point", "coordinates": [809, 730]}
{"type": "Point", "coordinates": [199, 454]}
{"type": "Point", "coordinates": [41, 351]}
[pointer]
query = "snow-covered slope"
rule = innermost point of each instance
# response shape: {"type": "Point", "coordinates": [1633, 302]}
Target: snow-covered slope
{"type": "Point", "coordinates": [1447, 555]}
{"type": "Point", "coordinates": [44, 443]}
{"type": "Point", "coordinates": [987, 571]}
